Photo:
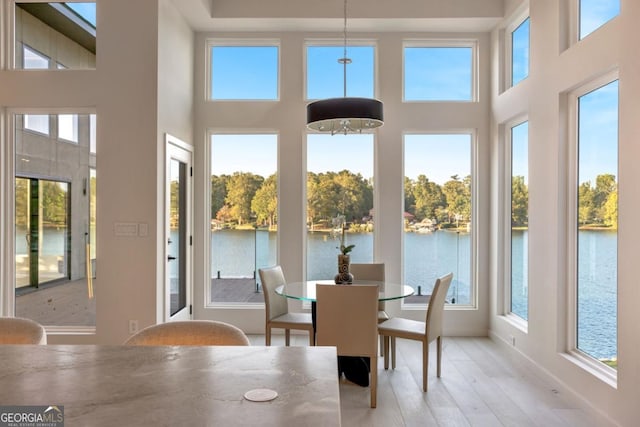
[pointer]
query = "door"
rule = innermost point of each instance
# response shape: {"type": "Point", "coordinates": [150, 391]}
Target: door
{"type": "Point", "coordinates": [178, 230]}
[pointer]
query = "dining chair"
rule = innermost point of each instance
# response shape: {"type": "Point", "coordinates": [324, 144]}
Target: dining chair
{"type": "Point", "coordinates": [372, 271]}
{"type": "Point", "coordinates": [190, 332]}
{"type": "Point", "coordinates": [427, 331]}
{"type": "Point", "coordinates": [277, 310]}
{"type": "Point", "coordinates": [347, 318]}
{"type": "Point", "coordinates": [17, 330]}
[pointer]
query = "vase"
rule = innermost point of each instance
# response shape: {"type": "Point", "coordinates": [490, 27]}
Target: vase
{"type": "Point", "coordinates": [343, 277]}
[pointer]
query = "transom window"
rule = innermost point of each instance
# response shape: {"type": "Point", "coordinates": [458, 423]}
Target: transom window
{"type": "Point", "coordinates": [442, 71]}
{"type": "Point", "coordinates": [247, 71]}
{"type": "Point", "coordinates": [520, 52]}
{"type": "Point", "coordinates": [595, 13]}
{"type": "Point", "coordinates": [325, 75]}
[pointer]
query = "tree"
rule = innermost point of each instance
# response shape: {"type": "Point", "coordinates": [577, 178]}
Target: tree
{"type": "Point", "coordinates": [519, 202]}
{"type": "Point", "coordinates": [241, 188]}
{"type": "Point", "coordinates": [218, 193]}
{"type": "Point", "coordinates": [605, 185]}
{"type": "Point", "coordinates": [458, 197]}
{"type": "Point", "coordinates": [428, 198]}
{"type": "Point", "coordinates": [409, 197]}
{"type": "Point", "coordinates": [586, 209]}
{"type": "Point", "coordinates": [610, 210]}
{"type": "Point", "coordinates": [265, 202]}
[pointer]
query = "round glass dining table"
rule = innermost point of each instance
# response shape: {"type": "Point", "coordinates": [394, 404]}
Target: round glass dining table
{"type": "Point", "coordinates": [306, 291]}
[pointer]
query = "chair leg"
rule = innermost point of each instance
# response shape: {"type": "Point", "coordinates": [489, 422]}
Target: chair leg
{"type": "Point", "coordinates": [267, 336]}
{"type": "Point", "coordinates": [312, 338]}
{"type": "Point", "coordinates": [393, 352]}
{"type": "Point", "coordinates": [425, 364]}
{"type": "Point", "coordinates": [439, 354]}
{"type": "Point", "coordinates": [373, 383]}
{"type": "Point", "coordinates": [385, 353]}
{"type": "Point", "coordinates": [381, 346]}
{"type": "Point", "coordinates": [287, 337]}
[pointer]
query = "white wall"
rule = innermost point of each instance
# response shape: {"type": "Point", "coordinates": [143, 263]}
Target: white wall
{"type": "Point", "coordinates": [554, 72]}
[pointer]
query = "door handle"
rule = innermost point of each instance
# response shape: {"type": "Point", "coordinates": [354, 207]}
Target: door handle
{"type": "Point", "coordinates": [170, 258]}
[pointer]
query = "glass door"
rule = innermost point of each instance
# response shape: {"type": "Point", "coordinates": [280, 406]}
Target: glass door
{"type": "Point", "coordinates": [178, 231]}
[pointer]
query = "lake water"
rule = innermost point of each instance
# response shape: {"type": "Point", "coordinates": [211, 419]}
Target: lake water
{"type": "Point", "coordinates": [427, 256]}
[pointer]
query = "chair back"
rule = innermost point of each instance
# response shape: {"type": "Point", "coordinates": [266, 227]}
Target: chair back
{"type": "Point", "coordinates": [190, 332]}
{"type": "Point", "coordinates": [275, 305]}
{"type": "Point", "coordinates": [347, 318]}
{"type": "Point", "coordinates": [16, 330]}
{"type": "Point", "coordinates": [369, 271]}
{"type": "Point", "coordinates": [436, 307]}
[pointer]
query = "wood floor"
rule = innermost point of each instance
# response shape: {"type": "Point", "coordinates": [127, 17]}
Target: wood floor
{"type": "Point", "coordinates": [480, 386]}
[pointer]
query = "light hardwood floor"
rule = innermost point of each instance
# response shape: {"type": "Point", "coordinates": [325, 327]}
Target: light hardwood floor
{"type": "Point", "coordinates": [481, 385]}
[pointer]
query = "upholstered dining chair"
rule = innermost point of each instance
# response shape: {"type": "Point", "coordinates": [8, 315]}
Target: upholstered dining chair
{"type": "Point", "coordinates": [372, 271]}
{"type": "Point", "coordinates": [347, 318]}
{"type": "Point", "coordinates": [190, 332]}
{"type": "Point", "coordinates": [277, 310]}
{"type": "Point", "coordinates": [425, 332]}
{"type": "Point", "coordinates": [17, 330]}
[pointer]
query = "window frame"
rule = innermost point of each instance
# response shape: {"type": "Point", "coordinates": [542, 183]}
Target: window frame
{"type": "Point", "coordinates": [234, 42]}
{"type": "Point", "coordinates": [210, 133]}
{"type": "Point", "coordinates": [507, 247]}
{"type": "Point", "coordinates": [570, 350]}
{"type": "Point", "coordinates": [444, 43]}
{"type": "Point", "coordinates": [339, 43]}
{"type": "Point", "coordinates": [474, 241]}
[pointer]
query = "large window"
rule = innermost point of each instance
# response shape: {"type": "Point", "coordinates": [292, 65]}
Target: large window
{"type": "Point", "coordinates": [243, 72]}
{"type": "Point", "coordinates": [325, 75]}
{"type": "Point", "coordinates": [244, 214]}
{"type": "Point", "coordinates": [595, 13]}
{"type": "Point", "coordinates": [55, 35]}
{"type": "Point", "coordinates": [442, 71]}
{"type": "Point", "coordinates": [339, 195]}
{"type": "Point", "coordinates": [438, 218]}
{"type": "Point", "coordinates": [54, 224]}
{"type": "Point", "coordinates": [519, 220]}
{"type": "Point", "coordinates": [597, 222]}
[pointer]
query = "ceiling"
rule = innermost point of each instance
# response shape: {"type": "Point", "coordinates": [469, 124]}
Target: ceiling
{"type": "Point", "coordinates": [327, 15]}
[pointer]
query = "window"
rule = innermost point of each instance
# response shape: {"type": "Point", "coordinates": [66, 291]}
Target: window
{"type": "Point", "coordinates": [92, 133]}
{"type": "Point", "coordinates": [55, 35]}
{"type": "Point", "coordinates": [325, 75]}
{"type": "Point", "coordinates": [244, 214]}
{"type": "Point", "coordinates": [520, 52]}
{"type": "Point", "coordinates": [438, 214]}
{"type": "Point", "coordinates": [595, 13]}
{"type": "Point", "coordinates": [339, 194]}
{"type": "Point", "coordinates": [596, 224]}
{"type": "Point", "coordinates": [37, 123]}
{"type": "Point", "coordinates": [33, 60]}
{"type": "Point", "coordinates": [54, 226]}
{"type": "Point", "coordinates": [439, 72]}
{"type": "Point", "coordinates": [243, 72]}
{"type": "Point", "coordinates": [68, 127]}
{"type": "Point", "coordinates": [519, 220]}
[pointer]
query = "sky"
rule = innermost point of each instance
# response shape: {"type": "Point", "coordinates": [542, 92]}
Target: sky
{"type": "Point", "coordinates": [594, 13]}
{"type": "Point", "coordinates": [86, 10]}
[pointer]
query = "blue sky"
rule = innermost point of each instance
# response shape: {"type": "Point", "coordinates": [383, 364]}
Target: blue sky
{"type": "Point", "coordinates": [425, 77]}
{"type": "Point", "coordinates": [520, 151]}
{"type": "Point", "coordinates": [598, 133]}
{"type": "Point", "coordinates": [438, 157]}
{"type": "Point", "coordinates": [520, 52]}
{"type": "Point", "coordinates": [86, 10]}
{"type": "Point", "coordinates": [594, 13]}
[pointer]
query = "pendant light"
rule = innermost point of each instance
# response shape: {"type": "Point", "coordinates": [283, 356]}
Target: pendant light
{"type": "Point", "coordinates": [347, 114]}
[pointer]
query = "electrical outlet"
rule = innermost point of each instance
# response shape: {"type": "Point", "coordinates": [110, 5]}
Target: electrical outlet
{"type": "Point", "coordinates": [133, 326]}
{"type": "Point", "coordinates": [512, 340]}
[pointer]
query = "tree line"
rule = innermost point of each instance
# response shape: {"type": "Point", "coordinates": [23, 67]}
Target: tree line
{"type": "Point", "coordinates": [245, 198]}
